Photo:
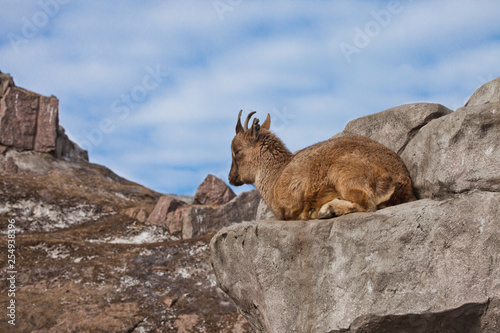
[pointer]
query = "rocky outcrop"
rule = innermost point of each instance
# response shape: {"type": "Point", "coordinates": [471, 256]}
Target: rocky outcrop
{"type": "Point", "coordinates": [83, 245]}
{"type": "Point", "coordinates": [488, 93]}
{"type": "Point", "coordinates": [67, 149]}
{"type": "Point", "coordinates": [6, 82]}
{"type": "Point", "coordinates": [29, 121]}
{"type": "Point", "coordinates": [214, 206]}
{"type": "Point", "coordinates": [165, 206]}
{"type": "Point", "coordinates": [457, 153]}
{"type": "Point", "coordinates": [213, 191]}
{"type": "Point", "coordinates": [397, 126]}
{"type": "Point", "coordinates": [198, 220]}
{"type": "Point", "coordinates": [417, 259]}
{"type": "Point", "coordinates": [264, 212]}
{"type": "Point", "coordinates": [430, 265]}
{"type": "Point", "coordinates": [194, 220]}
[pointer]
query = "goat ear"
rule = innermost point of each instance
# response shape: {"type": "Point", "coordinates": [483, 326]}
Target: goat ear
{"type": "Point", "coordinates": [256, 128]}
{"type": "Point", "coordinates": [239, 128]}
{"type": "Point", "coordinates": [267, 123]}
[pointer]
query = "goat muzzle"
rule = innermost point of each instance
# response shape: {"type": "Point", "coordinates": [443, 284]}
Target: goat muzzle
{"type": "Point", "coordinates": [234, 177]}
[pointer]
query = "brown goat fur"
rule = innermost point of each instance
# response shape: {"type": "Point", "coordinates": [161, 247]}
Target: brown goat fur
{"type": "Point", "coordinates": [335, 177]}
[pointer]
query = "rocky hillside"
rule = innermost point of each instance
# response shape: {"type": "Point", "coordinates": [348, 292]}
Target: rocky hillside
{"type": "Point", "coordinates": [432, 265]}
{"type": "Point", "coordinates": [95, 252]}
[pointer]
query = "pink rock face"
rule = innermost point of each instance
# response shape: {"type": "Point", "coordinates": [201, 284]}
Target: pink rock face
{"type": "Point", "coordinates": [213, 191]}
{"type": "Point", "coordinates": [47, 122]}
{"type": "Point", "coordinates": [28, 120]}
{"type": "Point", "coordinates": [164, 206]}
{"type": "Point", "coordinates": [18, 109]}
{"type": "Point", "coordinates": [6, 81]}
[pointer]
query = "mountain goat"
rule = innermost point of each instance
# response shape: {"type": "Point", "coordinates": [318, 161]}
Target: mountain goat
{"type": "Point", "coordinates": [335, 177]}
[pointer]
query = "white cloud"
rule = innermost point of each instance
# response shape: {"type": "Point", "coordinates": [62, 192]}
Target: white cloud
{"type": "Point", "coordinates": [278, 57]}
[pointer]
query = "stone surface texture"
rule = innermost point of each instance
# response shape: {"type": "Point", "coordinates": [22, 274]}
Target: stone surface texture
{"type": "Point", "coordinates": [193, 220]}
{"type": "Point", "coordinates": [213, 191]}
{"type": "Point", "coordinates": [395, 127]}
{"type": "Point", "coordinates": [264, 212]}
{"type": "Point", "coordinates": [488, 93]}
{"type": "Point", "coordinates": [196, 220]}
{"type": "Point", "coordinates": [432, 265]}
{"type": "Point", "coordinates": [165, 205]}
{"type": "Point", "coordinates": [29, 121]}
{"type": "Point", "coordinates": [418, 258]}
{"type": "Point", "coordinates": [457, 153]}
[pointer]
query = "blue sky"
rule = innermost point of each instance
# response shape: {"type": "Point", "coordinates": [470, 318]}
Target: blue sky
{"type": "Point", "coordinates": [153, 88]}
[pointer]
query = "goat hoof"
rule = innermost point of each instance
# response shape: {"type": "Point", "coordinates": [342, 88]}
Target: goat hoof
{"type": "Point", "coordinates": [326, 213]}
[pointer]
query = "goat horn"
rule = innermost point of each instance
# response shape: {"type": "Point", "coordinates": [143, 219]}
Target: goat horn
{"type": "Point", "coordinates": [248, 119]}
{"type": "Point", "coordinates": [239, 128]}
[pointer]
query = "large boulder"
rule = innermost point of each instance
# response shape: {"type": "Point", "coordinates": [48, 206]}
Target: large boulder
{"type": "Point", "coordinates": [395, 127]}
{"type": "Point", "coordinates": [457, 153]}
{"type": "Point", "coordinates": [488, 93]}
{"type": "Point", "coordinates": [445, 152]}
{"type": "Point", "coordinates": [264, 212]}
{"type": "Point", "coordinates": [165, 205]}
{"type": "Point", "coordinates": [423, 266]}
{"type": "Point", "coordinates": [196, 220]}
{"type": "Point", "coordinates": [214, 206]}
{"type": "Point", "coordinates": [213, 191]}
{"type": "Point", "coordinates": [417, 262]}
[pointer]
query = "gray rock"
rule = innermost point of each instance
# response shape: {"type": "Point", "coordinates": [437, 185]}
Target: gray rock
{"type": "Point", "coordinates": [197, 220]}
{"type": "Point", "coordinates": [420, 264]}
{"type": "Point", "coordinates": [424, 266]}
{"type": "Point", "coordinates": [395, 127]}
{"type": "Point", "coordinates": [456, 153]}
{"type": "Point", "coordinates": [263, 212]}
{"type": "Point", "coordinates": [469, 318]}
{"type": "Point", "coordinates": [488, 93]}
{"type": "Point", "coordinates": [67, 149]}
{"type": "Point", "coordinates": [32, 162]}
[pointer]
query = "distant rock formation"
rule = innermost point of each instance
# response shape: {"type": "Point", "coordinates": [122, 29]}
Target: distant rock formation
{"type": "Point", "coordinates": [30, 122]}
{"type": "Point", "coordinates": [213, 191]}
{"type": "Point", "coordinates": [193, 220]}
{"type": "Point", "coordinates": [97, 246]}
{"type": "Point", "coordinates": [431, 265]}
